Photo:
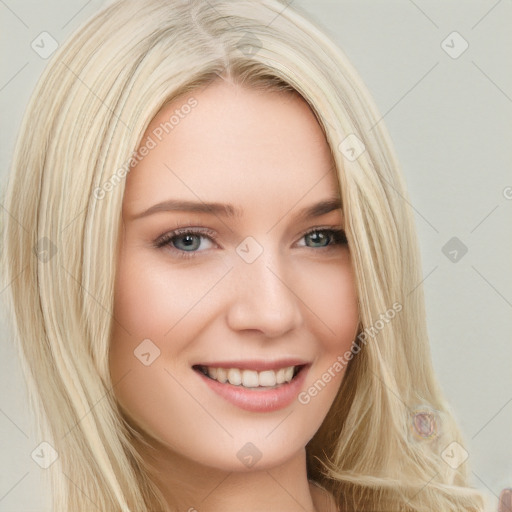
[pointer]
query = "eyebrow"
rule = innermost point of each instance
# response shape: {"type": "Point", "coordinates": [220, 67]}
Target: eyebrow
{"type": "Point", "coordinates": [230, 211]}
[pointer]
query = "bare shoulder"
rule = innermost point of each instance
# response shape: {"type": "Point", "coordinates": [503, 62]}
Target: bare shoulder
{"type": "Point", "coordinates": [323, 500]}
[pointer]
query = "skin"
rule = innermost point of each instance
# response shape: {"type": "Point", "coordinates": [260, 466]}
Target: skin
{"type": "Point", "coordinates": [265, 153]}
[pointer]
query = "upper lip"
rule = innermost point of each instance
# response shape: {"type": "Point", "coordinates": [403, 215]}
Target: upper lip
{"type": "Point", "coordinates": [258, 365]}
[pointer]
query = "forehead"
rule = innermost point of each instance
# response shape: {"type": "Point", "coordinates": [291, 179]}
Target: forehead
{"type": "Point", "coordinates": [233, 145]}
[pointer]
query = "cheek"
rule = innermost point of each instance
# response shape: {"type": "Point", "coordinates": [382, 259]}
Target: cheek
{"type": "Point", "coordinates": [146, 306]}
{"type": "Point", "coordinates": [149, 300]}
{"type": "Point", "coordinates": [158, 311]}
{"type": "Point", "coordinates": [151, 297]}
{"type": "Point", "coordinates": [336, 311]}
{"type": "Point", "coordinates": [342, 310]}
{"type": "Point", "coordinates": [329, 293]}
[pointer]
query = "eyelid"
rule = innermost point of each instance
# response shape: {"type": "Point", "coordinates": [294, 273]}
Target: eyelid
{"type": "Point", "coordinates": [336, 230]}
{"type": "Point", "coordinates": [321, 228]}
{"type": "Point", "coordinates": [168, 236]}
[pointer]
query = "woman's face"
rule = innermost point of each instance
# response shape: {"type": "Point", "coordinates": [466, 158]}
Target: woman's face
{"type": "Point", "coordinates": [259, 285]}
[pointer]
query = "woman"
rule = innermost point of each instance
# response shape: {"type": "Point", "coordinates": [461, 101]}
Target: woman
{"type": "Point", "coordinates": [224, 308]}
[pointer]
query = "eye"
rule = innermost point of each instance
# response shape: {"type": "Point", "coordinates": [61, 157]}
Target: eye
{"type": "Point", "coordinates": [186, 240]}
{"type": "Point", "coordinates": [319, 238]}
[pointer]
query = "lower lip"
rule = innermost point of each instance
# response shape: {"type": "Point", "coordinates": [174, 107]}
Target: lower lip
{"type": "Point", "coordinates": [258, 400]}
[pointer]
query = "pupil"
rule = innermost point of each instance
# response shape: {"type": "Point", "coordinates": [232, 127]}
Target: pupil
{"type": "Point", "coordinates": [318, 238]}
{"type": "Point", "coordinates": [187, 241]}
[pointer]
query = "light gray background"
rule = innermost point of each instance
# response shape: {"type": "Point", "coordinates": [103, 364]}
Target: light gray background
{"type": "Point", "coordinates": [450, 123]}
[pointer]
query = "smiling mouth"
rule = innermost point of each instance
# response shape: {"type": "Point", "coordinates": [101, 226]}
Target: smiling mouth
{"type": "Point", "coordinates": [251, 379]}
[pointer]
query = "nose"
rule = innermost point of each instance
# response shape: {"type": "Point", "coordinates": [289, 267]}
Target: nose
{"type": "Point", "coordinates": [262, 298]}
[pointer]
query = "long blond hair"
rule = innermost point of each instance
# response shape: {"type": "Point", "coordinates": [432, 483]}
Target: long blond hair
{"type": "Point", "coordinates": [86, 118]}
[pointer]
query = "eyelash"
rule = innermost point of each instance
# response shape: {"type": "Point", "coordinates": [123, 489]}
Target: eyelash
{"type": "Point", "coordinates": [338, 237]}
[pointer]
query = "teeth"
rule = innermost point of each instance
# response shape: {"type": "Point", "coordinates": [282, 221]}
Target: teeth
{"type": "Point", "coordinates": [251, 378]}
{"type": "Point", "coordinates": [280, 376]}
{"type": "Point", "coordinates": [234, 377]}
{"type": "Point", "coordinates": [288, 374]}
{"type": "Point", "coordinates": [269, 377]}
{"type": "Point", "coordinates": [222, 375]}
